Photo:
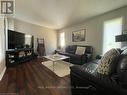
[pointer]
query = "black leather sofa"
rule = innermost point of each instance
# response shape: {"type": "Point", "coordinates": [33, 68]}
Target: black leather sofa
{"type": "Point", "coordinates": [84, 80]}
{"type": "Point", "coordinates": [78, 59]}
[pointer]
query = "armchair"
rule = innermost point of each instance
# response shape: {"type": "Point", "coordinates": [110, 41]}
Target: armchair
{"type": "Point", "coordinates": [86, 80]}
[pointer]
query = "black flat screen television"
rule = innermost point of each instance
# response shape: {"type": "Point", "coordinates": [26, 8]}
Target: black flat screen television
{"type": "Point", "coordinates": [17, 40]}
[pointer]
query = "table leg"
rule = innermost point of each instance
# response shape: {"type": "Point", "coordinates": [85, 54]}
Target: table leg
{"type": "Point", "coordinates": [43, 59]}
{"type": "Point", "coordinates": [53, 65]}
{"type": "Point", "coordinates": [69, 61]}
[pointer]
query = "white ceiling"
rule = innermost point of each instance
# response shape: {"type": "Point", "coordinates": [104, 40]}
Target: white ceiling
{"type": "Point", "coordinates": [58, 14]}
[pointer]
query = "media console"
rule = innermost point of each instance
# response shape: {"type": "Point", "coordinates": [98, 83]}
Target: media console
{"type": "Point", "coordinates": [18, 56]}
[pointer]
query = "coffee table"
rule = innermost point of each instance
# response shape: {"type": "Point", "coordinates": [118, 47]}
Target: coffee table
{"type": "Point", "coordinates": [55, 58]}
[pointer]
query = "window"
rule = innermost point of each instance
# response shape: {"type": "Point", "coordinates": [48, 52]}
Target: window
{"type": "Point", "coordinates": [111, 29]}
{"type": "Point", "coordinates": [28, 39]}
{"type": "Point", "coordinates": [62, 39]}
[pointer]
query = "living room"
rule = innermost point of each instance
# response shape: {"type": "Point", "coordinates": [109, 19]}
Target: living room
{"type": "Point", "coordinates": [63, 47]}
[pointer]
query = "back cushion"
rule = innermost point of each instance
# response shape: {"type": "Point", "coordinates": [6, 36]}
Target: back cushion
{"type": "Point", "coordinates": [122, 69]}
{"type": "Point", "coordinates": [89, 49]}
{"type": "Point", "coordinates": [80, 50]}
{"type": "Point", "coordinates": [71, 49]}
{"type": "Point", "coordinates": [122, 63]}
{"type": "Point", "coordinates": [108, 62]}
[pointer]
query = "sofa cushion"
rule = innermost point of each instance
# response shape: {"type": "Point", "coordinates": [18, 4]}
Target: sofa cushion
{"type": "Point", "coordinates": [122, 69]}
{"type": "Point", "coordinates": [64, 53]}
{"type": "Point", "coordinates": [122, 63]}
{"type": "Point", "coordinates": [71, 49]}
{"type": "Point", "coordinates": [108, 62]}
{"type": "Point", "coordinates": [70, 55]}
{"type": "Point", "coordinates": [80, 50]}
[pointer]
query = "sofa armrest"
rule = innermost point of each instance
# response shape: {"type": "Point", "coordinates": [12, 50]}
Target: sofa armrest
{"type": "Point", "coordinates": [86, 58]}
{"type": "Point", "coordinates": [89, 57]}
{"type": "Point", "coordinates": [107, 85]}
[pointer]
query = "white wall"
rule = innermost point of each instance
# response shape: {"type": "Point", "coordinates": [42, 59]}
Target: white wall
{"type": "Point", "coordinates": [2, 48]}
{"type": "Point", "coordinates": [49, 35]}
{"type": "Point", "coordinates": [94, 27]}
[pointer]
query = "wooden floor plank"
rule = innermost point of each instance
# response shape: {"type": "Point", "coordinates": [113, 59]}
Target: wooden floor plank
{"type": "Point", "coordinates": [11, 88]}
{"type": "Point", "coordinates": [33, 78]}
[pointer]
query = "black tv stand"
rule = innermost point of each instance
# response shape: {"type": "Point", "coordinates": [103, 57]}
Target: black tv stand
{"type": "Point", "coordinates": [18, 56]}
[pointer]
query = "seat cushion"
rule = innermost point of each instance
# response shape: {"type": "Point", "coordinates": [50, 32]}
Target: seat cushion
{"type": "Point", "coordinates": [64, 53]}
{"type": "Point", "coordinates": [108, 62]}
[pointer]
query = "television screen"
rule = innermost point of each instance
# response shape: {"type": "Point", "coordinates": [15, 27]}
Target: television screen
{"type": "Point", "coordinates": [18, 40]}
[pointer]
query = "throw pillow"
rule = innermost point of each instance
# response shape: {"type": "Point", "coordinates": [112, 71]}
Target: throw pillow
{"type": "Point", "coordinates": [80, 50]}
{"type": "Point", "coordinates": [108, 62]}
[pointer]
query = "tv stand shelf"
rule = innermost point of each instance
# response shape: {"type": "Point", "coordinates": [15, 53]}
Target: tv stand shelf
{"type": "Point", "coordinates": [18, 56]}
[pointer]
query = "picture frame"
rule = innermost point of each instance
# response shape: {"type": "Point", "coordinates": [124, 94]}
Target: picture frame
{"type": "Point", "coordinates": [79, 35]}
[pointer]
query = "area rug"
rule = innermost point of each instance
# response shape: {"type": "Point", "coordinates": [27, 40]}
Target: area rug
{"type": "Point", "coordinates": [61, 68]}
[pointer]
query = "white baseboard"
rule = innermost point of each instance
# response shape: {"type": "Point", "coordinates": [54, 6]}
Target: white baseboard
{"type": "Point", "coordinates": [2, 74]}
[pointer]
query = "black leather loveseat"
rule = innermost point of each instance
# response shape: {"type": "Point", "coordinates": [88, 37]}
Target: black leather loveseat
{"type": "Point", "coordinates": [86, 81]}
{"type": "Point", "coordinates": [78, 59]}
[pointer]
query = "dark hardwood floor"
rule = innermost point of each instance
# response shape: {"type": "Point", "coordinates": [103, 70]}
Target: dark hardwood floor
{"type": "Point", "coordinates": [32, 78]}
